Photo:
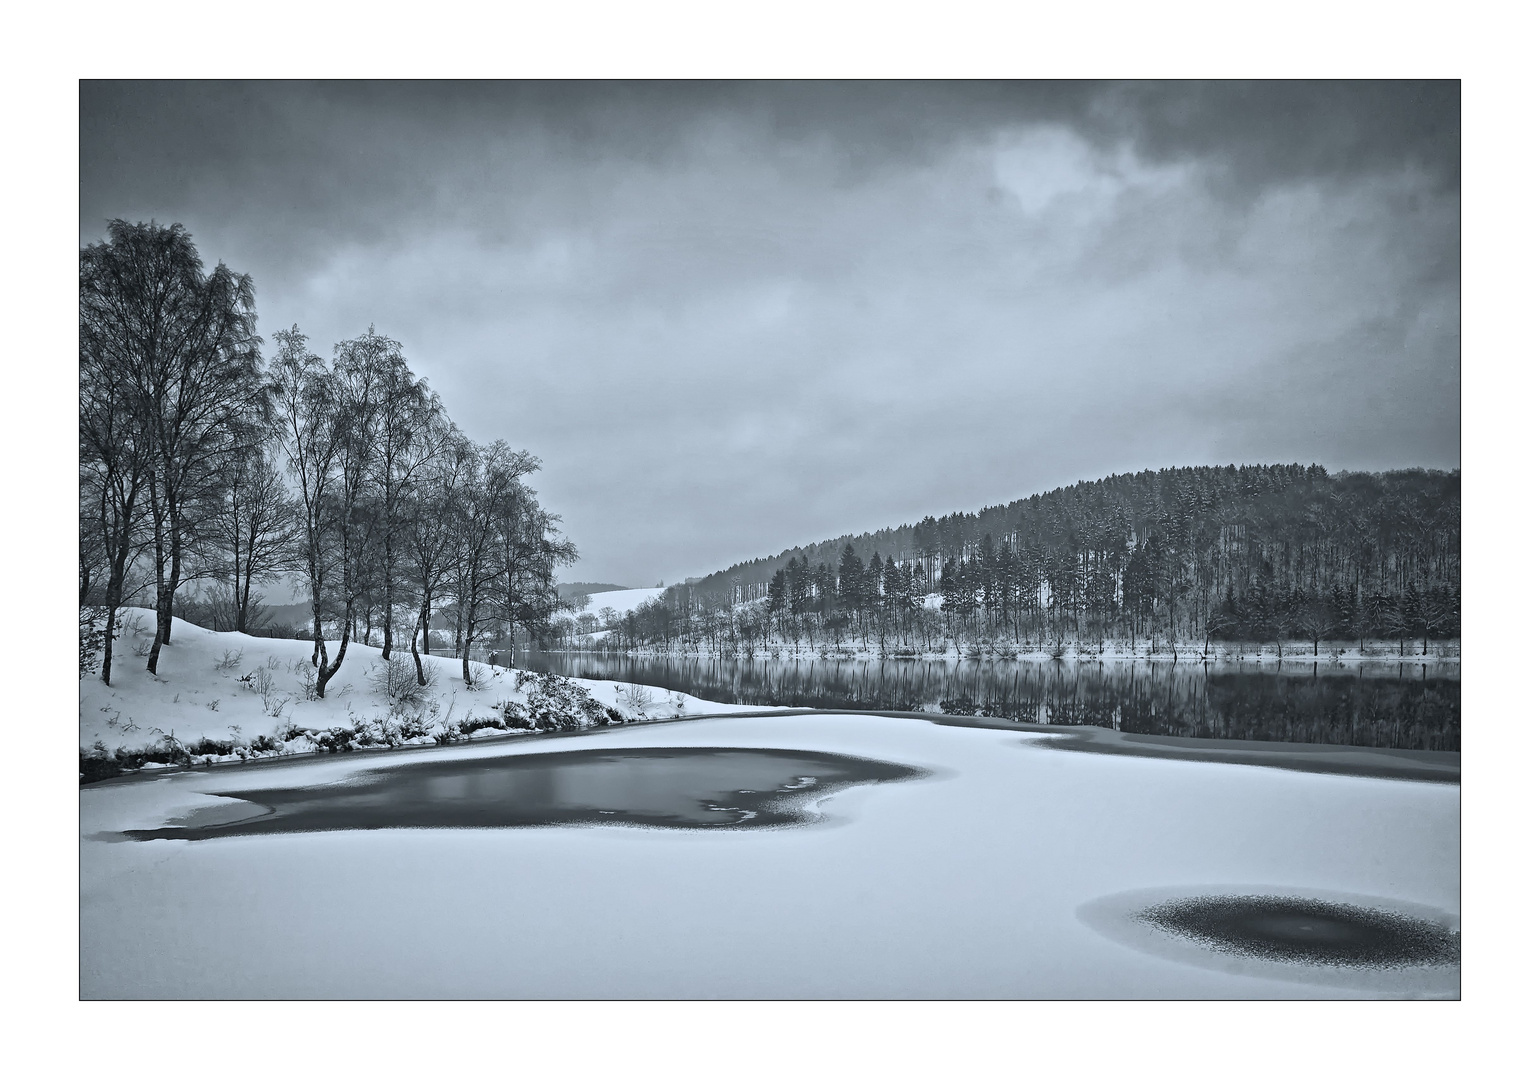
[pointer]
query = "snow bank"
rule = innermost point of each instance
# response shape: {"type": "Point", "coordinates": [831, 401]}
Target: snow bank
{"type": "Point", "coordinates": [964, 884]}
{"type": "Point", "coordinates": [230, 687]}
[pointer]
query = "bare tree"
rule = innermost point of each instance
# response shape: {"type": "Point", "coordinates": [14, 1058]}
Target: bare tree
{"type": "Point", "coordinates": [430, 537]}
{"type": "Point", "coordinates": [307, 404]}
{"type": "Point", "coordinates": [490, 486]}
{"type": "Point", "coordinates": [529, 550]}
{"type": "Point", "coordinates": [254, 526]}
{"type": "Point", "coordinates": [1317, 618]}
{"type": "Point", "coordinates": [93, 551]}
{"type": "Point", "coordinates": [410, 438]}
{"type": "Point", "coordinates": [114, 465]}
{"type": "Point", "coordinates": [186, 347]}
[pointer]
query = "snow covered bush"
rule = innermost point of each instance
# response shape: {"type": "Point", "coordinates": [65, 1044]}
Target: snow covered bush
{"type": "Point", "coordinates": [552, 703]}
{"type": "Point", "coordinates": [267, 744]}
{"type": "Point", "coordinates": [99, 763]}
{"type": "Point", "coordinates": [637, 700]}
{"type": "Point", "coordinates": [339, 739]}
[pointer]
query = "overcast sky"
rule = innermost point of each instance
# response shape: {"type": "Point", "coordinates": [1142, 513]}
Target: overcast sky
{"type": "Point", "coordinates": [731, 319]}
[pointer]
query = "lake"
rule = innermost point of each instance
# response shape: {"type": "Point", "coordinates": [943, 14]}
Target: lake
{"type": "Point", "coordinates": [1407, 706]}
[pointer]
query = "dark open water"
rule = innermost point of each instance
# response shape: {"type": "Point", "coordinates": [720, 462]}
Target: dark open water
{"type": "Point", "coordinates": [1409, 706]}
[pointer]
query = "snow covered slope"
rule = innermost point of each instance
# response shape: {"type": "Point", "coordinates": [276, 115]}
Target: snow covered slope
{"type": "Point", "coordinates": [623, 601]}
{"type": "Point", "coordinates": [228, 686]}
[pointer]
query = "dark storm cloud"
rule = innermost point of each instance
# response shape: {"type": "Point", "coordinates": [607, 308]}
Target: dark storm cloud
{"type": "Point", "coordinates": [303, 144]}
{"type": "Point", "coordinates": [733, 317]}
{"type": "Point", "coordinates": [1266, 133]}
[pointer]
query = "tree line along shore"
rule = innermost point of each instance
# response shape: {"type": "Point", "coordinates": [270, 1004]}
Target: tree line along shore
{"type": "Point", "coordinates": [1184, 559]}
{"type": "Point", "coordinates": [205, 464]}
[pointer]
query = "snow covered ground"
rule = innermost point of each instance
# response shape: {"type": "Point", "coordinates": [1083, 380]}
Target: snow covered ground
{"type": "Point", "coordinates": [623, 601]}
{"type": "Point", "coordinates": [974, 881]}
{"type": "Point", "coordinates": [231, 687]}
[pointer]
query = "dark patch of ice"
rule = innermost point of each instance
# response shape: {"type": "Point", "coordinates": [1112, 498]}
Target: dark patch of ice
{"type": "Point", "coordinates": [667, 787]}
{"type": "Point", "coordinates": [1304, 930]}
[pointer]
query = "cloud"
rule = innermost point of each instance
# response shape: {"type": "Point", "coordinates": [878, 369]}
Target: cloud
{"type": "Point", "coordinates": [735, 317]}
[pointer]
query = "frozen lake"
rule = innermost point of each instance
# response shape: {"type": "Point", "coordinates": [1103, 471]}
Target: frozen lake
{"type": "Point", "coordinates": [1408, 706]}
{"type": "Point", "coordinates": [995, 866]}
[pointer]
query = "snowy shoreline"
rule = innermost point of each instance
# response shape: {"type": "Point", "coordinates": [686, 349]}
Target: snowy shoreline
{"type": "Point", "coordinates": [1370, 762]}
{"type": "Point", "coordinates": [1335, 654]}
{"type": "Point", "coordinates": [226, 696]}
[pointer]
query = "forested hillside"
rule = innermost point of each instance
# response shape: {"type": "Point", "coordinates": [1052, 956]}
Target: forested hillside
{"type": "Point", "coordinates": [1192, 554]}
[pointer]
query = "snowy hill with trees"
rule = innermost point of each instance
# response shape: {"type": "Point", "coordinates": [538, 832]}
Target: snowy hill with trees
{"type": "Point", "coordinates": [203, 462]}
{"type": "Point", "coordinates": [1178, 558]}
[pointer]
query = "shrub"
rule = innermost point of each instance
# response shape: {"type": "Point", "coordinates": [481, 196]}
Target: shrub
{"type": "Point", "coordinates": [553, 703]}
{"type": "Point", "coordinates": [307, 673]}
{"type": "Point", "coordinates": [515, 715]}
{"type": "Point", "coordinates": [211, 747]}
{"type": "Point", "coordinates": [333, 740]}
{"type": "Point", "coordinates": [260, 681]}
{"type": "Point", "coordinates": [472, 724]}
{"type": "Point", "coordinates": [98, 764]}
{"type": "Point", "coordinates": [635, 699]}
{"type": "Point", "coordinates": [412, 727]}
{"type": "Point", "coordinates": [267, 744]}
{"type": "Point", "coordinates": [452, 731]}
{"type": "Point", "coordinates": [274, 743]}
{"type": "Point", "coordinates": [396, 680]}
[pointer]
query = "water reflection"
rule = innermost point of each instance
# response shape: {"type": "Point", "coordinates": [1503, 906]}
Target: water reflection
{"type": "Point", "coordinates": [1400, 706]}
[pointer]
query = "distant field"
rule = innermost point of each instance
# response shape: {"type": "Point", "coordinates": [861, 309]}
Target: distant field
{"type": "Point", "coordinates": [569, 589]}
{"type": "Point", "coordinates": [622, 600]}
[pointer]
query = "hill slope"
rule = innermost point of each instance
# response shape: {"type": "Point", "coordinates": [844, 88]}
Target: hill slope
{"type": "Point", "coordinates": [1273, 503]}
{"type": "Point", "coordinates": [1252, 552]}
{"type": "Point", "coordinates": [224, 696]}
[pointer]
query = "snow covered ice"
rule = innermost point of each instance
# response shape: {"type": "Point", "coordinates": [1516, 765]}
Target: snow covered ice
{"type": "Point", "coordinates": [966, 882]}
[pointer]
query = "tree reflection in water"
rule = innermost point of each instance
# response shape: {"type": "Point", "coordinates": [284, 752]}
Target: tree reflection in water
{"type": "Point", "coordinates": [1399, 706]}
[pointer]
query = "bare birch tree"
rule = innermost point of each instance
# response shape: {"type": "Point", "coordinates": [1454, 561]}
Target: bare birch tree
{"type": "Point", "coordinates": [114, 464]}
{"type": "Point", "coordinates": [186, 349]}
{"type": "Point", "coordinates": [307, 405]}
